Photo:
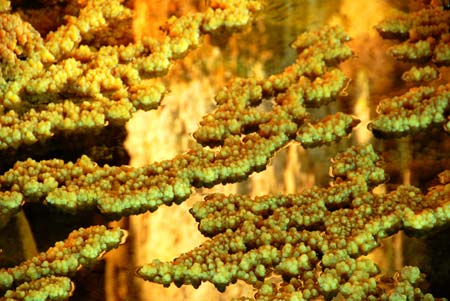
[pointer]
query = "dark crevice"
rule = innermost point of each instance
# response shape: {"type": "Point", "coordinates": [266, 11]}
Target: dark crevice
{"type": "Point", "coordinates": [104, 146]}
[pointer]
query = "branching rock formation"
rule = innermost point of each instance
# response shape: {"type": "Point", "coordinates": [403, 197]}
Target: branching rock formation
{"type": "Point", "coordinates": [247, 137]}
{"type": "Point", "coordinates": [83, 77]}
{"type": "Point", "coordinates": [57, 85]}
{"type": "Point", "coordinates": [36, 276]}
{"type": "Point", "coordinates": [418, 109]}
{"type": "Point", "coordinates": [426, 34]}
{"type": "Point", "coordinates": [421, 113]}
{"type": "Point", "coordinates": [64, 84]}
{"type": "Point", "coordinates": [314, 240]}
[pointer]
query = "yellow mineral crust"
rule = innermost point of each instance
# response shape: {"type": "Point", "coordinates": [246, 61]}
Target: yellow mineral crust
{"type": "Point", "coordinates": [82, 248]}
{"type": "Point", "coordinates": [417, 25]}
{"type": "Point", "coordinates": [418, 109]}
{"type": "Point", "coordinates": [331, 34]}
{"type": "Point", "coordinates": [247, 135]}
{"type": "Point", "coordinates": [364, 284]}
{"type": "Point", "coordinates": [414, 51]}
{"type": "Point", "coordinates": [421, 74]}
{"type": "Point", "coordinates": [311, 82]}
{"type": "Point", "coordinates": [442, 50]}
{"type": "Point", "coordinates": [427, 40]}
{"type": "Point", "coordinates": [326, 130]}
{"type": "Point", "coordinates": [44, 289]}
{"type": "Point", "coordinates": [56, 83]}
{"type": "Point", "coordinates": [314, 239]}
{"type": "Point", "coordinates": [9, 206]}
{"type": "Point", "coordinates": [5, 6]}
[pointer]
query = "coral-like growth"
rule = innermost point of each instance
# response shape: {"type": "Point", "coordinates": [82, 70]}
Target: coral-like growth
{"type": "Point", "coordinates": [314, 239]}
{"type": "Point", "coordinates": [52, 288]}
{"type": "Point", "coordinates": [60, 86]}
{"type": "Point", "coordinates": [248, 138]}
{"type": "Point", "coordinates": [427, 34]}
{"type": "Point", "coordinates": [82, 248]}
{"type": "Point", "coordinates": [426, 31]}
{"type": "Point", "coordinates": [64, 84]}
{"type": "Point", "coordinates": [418, 109]}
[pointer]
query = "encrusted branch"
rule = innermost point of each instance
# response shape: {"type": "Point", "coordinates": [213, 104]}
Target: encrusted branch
{"type": "Point", "coordinates": [418, 109]}
{"type": "Point", "coordinates": [427, 34]}
{"type": "Point", "coordinates": [82, 248]}
{"type": "Point", "coordinates": [314, 239]}
{"type": "Point", "coordinates": [84, 77]}
{"type": "Point", "coordinates": [247, 135]}
{"type": "Point", "coordinates": [57, 84]}
{"type": "Point", "coordinates": [52, 288]}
